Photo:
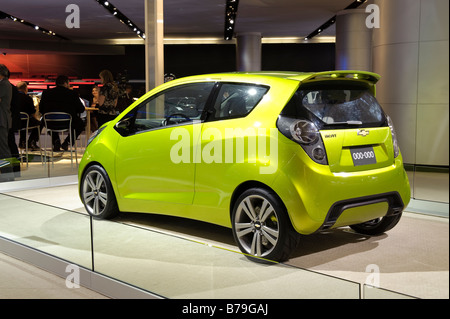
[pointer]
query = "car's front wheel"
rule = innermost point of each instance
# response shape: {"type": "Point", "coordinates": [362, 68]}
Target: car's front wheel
{"type": "Point", "coordinates": [261, 226]}
{"type": "Point", "coordinates": [97, 193]}
{"type": "Point", "coordinates": [377, 226]}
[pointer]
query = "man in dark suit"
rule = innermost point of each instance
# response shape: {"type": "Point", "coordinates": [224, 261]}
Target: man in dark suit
{"type": "Point", "coordinates": [63, 99]}
{"type": "Point", "coordinates": [5, 123]}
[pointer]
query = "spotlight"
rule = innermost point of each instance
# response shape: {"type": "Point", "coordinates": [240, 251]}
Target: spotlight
{"type": "Point", "coordinates": [121, 17]}
{"type": "Point", "coordinates": [231, 8]}
{"type": "Point", "coordinates": [4, 15]}
{"type": "Point", "coordinates": [331, 21]}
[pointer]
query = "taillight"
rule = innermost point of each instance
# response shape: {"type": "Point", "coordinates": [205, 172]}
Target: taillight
{"type": "Point", "coordinates": [306, 134]}
{"type": "Point", "coordinates": [394, 137]}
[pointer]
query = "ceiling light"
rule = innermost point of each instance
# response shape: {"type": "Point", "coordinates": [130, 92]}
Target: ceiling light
{"type": "Point", "coordinates": [31, 25]}
{"type": "Point", "coordinates": [122, 18]}
{"type": "Point", "coordinates": [355, 4]}
{"type": "Point", "coordinates": [231, 8]}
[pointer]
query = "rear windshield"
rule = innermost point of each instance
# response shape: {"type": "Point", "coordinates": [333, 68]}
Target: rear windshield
{"type": "Point", "coordinates": [336, 106]}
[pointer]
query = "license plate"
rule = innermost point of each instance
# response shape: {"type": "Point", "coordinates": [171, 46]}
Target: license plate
{"type": "Point", "coordinates": [363, 156]}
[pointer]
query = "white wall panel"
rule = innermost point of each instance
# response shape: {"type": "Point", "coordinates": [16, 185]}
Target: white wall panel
{"type": "Point", "coordinates": [397, 65]}
{"type": "Point", "coordinates": [399, 22]}
{"type": "Point", "coordinates": [435, 14]}
{"type": "Point", "coordinates": [432, 134]}
{"type": "Point", "coordinates": [411, 53]}
{"type": "Point", "coordinates": [433, 72]}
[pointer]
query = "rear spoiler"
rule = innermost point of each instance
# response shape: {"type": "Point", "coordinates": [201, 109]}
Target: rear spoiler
{"type": "Point", "coordinates": [373, 78]}
{"type": "Point", "coordinates": [368, 77]}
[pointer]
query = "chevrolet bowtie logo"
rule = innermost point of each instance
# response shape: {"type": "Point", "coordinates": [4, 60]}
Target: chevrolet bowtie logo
{"type": "Point", "coordinates": [363, 133]}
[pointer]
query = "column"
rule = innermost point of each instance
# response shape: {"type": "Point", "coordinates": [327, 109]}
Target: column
{"type": "Point", "coordinates": [353, 41]}
{"type": "Point", "coordinates": [410, 52]}
{"type": "Point", "coordinates": [154, 43]}
{"type": "Point", "coordinates": [248, 52]}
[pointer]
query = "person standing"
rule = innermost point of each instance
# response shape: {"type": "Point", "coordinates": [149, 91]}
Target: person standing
{"type": "Point", "coordinates": [63, 99]}
{"type": "Point", "coordinates": [15, 125]}
{"type": "Point", "coordinates": [26, 105]}
{"type": "Point", "coordinates": [107, 99]}
{"type": "Point", "coordinates": [126, 98]}
{"type": "Point", "coordinates": [5, 121]}
{"type": "Point", "coordinates": [94, 103]}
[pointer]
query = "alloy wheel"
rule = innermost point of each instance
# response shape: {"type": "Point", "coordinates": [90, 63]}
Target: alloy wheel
{"type": "Point", "coordinates": [256, 226]}
{"type": "Point", "coordinates": [95, 195]}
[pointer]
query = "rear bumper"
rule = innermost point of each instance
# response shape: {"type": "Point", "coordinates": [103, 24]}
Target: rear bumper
{"type": "Point", "coordinates": [343, 213]}
{"type": "Point", "coordinates": [318, 199]}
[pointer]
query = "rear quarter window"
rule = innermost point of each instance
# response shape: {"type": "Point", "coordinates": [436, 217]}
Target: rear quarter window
{"type": "Point", "coordinates": [235, 100]}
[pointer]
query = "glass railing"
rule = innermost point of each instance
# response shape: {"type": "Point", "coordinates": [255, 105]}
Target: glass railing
{"type": "Point", "coordinates": [58, 232]}
{"type": "Point", "coordinates": [180, 268]}
{"type": "Point", "coordinates": [371, 292]}
{"type": "Point", "coordinates": [428, 183]}
{"type": "Point", "coordinates": [40, 163]}
{"type": "Point", "coordinates": [162, 263]}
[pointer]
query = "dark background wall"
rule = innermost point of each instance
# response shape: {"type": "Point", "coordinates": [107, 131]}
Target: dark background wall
{"type": "Point", "coordinates": [184, 60]}
{"type": "Point", "coordinates": [298, 57]}
{"type": "Point", "coordinates": [181, 60]}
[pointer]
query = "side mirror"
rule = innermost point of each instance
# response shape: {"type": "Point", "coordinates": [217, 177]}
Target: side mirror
{"type": "Point", "coordinates": [123, 126]}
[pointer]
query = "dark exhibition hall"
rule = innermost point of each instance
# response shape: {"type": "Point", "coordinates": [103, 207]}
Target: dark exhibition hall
{"type": "Point", "coordinates": [231, 156]}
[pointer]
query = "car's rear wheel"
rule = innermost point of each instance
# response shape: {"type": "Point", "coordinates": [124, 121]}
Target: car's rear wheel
{"type": "Point", "coordinates": [261, 226]}
{"type": "Point", "coordinates": [97, 193]}
{"type": "Point", "coordinates": [377, 226]}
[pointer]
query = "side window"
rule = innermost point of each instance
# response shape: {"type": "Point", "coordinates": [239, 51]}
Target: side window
{"type": "Point", "coordinates": [171, 107]}
{"type": "Point", "coordinates": [236, 100]}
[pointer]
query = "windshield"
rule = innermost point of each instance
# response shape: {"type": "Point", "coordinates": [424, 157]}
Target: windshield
{"type": "Point", "coordinates": [336, 107]}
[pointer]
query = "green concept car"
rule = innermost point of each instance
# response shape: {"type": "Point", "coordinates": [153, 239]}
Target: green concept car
{"type": "Point", "coordinates": [271, 155]}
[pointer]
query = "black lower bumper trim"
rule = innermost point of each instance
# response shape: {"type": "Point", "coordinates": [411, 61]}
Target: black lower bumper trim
{"type": "Point", "coordinates": [393, 199]}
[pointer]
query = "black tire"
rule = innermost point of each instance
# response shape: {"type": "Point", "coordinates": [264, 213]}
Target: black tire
{"type": "Point", "coordinates": [377, 226]}
{"type": "Point", "coordinates": [262, 228]}
{"type": "Point", "coordinates": [97, 193]}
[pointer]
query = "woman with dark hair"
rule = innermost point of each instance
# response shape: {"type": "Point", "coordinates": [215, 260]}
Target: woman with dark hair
{"type": "Point", "coordinates": [107, 99]}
